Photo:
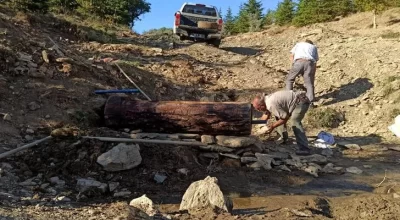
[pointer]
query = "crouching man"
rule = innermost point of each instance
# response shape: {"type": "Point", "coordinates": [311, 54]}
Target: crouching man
{"type": "Point", "coordinates": [285, 105]}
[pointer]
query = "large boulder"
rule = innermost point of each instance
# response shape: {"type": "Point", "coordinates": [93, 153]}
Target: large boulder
{"type": "Point", "coordinates": [121, 157]}
{"type": "Point", "coordinates": [204, 194]}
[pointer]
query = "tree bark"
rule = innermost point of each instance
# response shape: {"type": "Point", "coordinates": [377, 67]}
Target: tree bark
{"type": "Point", "coordinates": [214, 118]}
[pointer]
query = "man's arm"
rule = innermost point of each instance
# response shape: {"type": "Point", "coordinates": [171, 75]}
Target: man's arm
{"type": "Point", "coordinates": [291, 58]}
{"type": "Point", "coordinates": [279, 123]}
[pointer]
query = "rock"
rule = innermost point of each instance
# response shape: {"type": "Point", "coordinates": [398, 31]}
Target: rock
{"type": "Point", "coordinates": [33, 106]}
{"type": "Point", "coordinates": [315, 158]}
{"type": "Point", "coordinates": [278, 155]}
{"type": "Point", "coordinates": [217, 148]}
{"type": "Point", "coordinates": [374, 148]}
{"type": "Point", "coordinates": [205, 194]}
{"type": "Point", "coordinates": [233, 156]}
{"type": "Point", "coordinates": [144, 204]}
{"type": "Point", "coordinates": [294, 162]}
{"type": "Point", "coordinates": [64, 60]}
{"type": "Point", "coordinates": [246, 160]}
{"type": "Point", "coordinates": [121, 157]}
{"type": "Point", "coordinates": [47, 116]}
{"type": "Point", "coordinates": [113, 186]}
{"type": "Point", "coordinates": [234, 142]}
{"type": "Point", "coordinates": [7, 117]}
{"type": "Point", "coordinates": [28, 138]}
{"type": "Point", "coordinates": [30, 131]}
{"type": "Point", "coordinates": [313, 170]}
{"type": "Point", "coordinates": [62, 199]}
{"type": "Point", "coordinates": [123, 193]}
{"type": "Point", "coordinates": [265, 160]}
{"type": "Point", "coordinates": [159, 178]}
{"type": "Point", "coordinates": [396, 196]}
{"type": "Point", "coordinates": [327, 152]}
{"type": "Point", "coordinates": [45, 56]}
{"type": "Point", "coordinates": [55, 180]}
{"type": "Point", "coordinates": [367, 166]}
{"type": "Point", "coordinates": [255, 165]}
{"type": "Point", "coordinates": [85, 185]}
{"type": "Point", "coordinates": [394, 148]}
{"type": "Point", "coordinates": [183, 171]}
{"type": "Point", "coordinates": [349, 145]}
{"type": "Point", "coordinates": [284, 168]}
{"type": "Point", "coordinates": [354, 170]}
{"type": "Point", "coordinates": [329, 168]}
{"type": "Point", "coordinates": [207, 139]}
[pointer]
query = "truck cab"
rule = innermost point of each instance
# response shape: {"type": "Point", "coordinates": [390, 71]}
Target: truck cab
{"type": "Point", "coordinates": [198, 22]}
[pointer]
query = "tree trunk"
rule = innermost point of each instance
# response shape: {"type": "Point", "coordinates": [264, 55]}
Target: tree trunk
{"type": "Point", "coordinates": [374, 21]}
{"type": "Point", "coordinates": [214, 118]}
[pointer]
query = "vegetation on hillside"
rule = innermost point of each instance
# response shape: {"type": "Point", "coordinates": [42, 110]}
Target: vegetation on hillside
{"type": "Point", "coordinates": [111, 11]}
{"type": "Point", "coordinates": [299, 13]}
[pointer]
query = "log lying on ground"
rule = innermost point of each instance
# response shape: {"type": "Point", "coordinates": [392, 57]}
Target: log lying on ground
{"type": "Point", "coordinates": [214, 118]}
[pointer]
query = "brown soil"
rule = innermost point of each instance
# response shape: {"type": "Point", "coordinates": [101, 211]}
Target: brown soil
{"type": "Point", "coordinates": [357, 75]}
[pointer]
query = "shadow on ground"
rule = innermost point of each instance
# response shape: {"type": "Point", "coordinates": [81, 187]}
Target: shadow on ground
{"type": "Point", "coordinates": [246, 51]}
{"type": "Point", "coordinates": [349, 91]}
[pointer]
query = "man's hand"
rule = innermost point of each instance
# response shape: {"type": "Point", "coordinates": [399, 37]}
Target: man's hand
{"type": "Point", "coordinates": [269, 130]}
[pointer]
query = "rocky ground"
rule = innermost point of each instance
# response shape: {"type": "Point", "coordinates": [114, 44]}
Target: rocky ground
{"type": "Point", "coordinates": [49, 73]}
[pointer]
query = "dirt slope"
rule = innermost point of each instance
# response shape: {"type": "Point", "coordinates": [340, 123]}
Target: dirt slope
{"type": "Point", "coordinates": [358, 76]}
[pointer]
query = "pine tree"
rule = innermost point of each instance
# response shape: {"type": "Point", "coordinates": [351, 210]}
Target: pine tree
{"type": "Point", "coordinates": [254, 15]}
{"type": "Point", "coordinates": [220, 12]}
{"type": "Point", "coordinates": [242, 21]}
{"type": "Point", "coordinates": [229, 22]}
{"type": "Point", "coordinates": [285, 12]}
{"type": "Point", "coordinates": [269, 17]}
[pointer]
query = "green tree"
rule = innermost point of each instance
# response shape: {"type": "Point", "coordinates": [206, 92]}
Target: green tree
{"type": "Point", "coordinates": [229, 22]}
{"type": "Point", "coordinates": [63, 6]}
{"type": "Point", "coordinates": [242, 21]}
{"type": "Point", "coordinates": [376, 6]}
{"type": "Point", "coordinates": [254, 12]}
{"type": "Point", "coordinates": [220, 12]}
{"type": "Point", "coordinates": [269, 17]}
{"type": "Point", "coordinates": [285, 12]}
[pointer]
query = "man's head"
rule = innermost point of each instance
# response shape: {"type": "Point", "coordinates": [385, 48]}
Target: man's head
{"type": "Point", "coordinates": [259, 103]}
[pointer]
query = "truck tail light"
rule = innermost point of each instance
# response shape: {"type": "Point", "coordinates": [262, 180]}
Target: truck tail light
{"type": "Point", "coordinates": [177, 19]}
{"type": "Point", "coordinates": [220, 21]}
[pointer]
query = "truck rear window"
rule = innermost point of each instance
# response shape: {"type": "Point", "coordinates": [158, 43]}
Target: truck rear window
{"type": "Point", "coordinates": [200, 10]}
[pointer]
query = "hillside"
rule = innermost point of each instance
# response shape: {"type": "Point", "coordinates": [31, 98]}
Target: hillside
{"type": "Point", "coordinates": [50, 69]}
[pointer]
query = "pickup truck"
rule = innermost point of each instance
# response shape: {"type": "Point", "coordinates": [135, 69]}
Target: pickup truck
{"type": "Point", "coordinates": [198, 22]}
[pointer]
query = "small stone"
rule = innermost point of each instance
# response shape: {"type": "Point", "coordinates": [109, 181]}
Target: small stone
{"type": "Point", "coordinates": [113, 186]}
{"type": "Point", "coordinates": [28, 138]}
{"type": "Point", "coordinates": [84, 185]}
{"type": "Point", "coordinates": [159, 178]}
{"type": "Point", "coordinates": [127, 130]}
{"type": "Point", "coordinates": [284, 168]}
{"type": "Point", "coordinates": [265, 160]}
{"type": "Point", "coordinates": [7, 117]}
{"type": "Point", "coordinates": [183, 171]}
{"type": "Point", "coordinates": [62, 199]}
{"type": "Point", "coordinates": [349, 145]}
{"type": "Point", "coordinates": [33, 106]}
{"type": "Point", "coordinates": [44, 185]}
{"type": "Point", "coordinates": [208, 139]}
{"type": "Point", "coordinates": [367, 166]}
{"type": "Point", "coordinates": [121, 157]}
{"type": "Point", "coordinates": [329, 168]}
{"type": "Point", "coordinates": [136, 131]}
{"type": "Point", "coordinates": [122, 193]}
{"type": "Point", "coordinates": [246, 160]}
{"type": "Point", "coordinates": [313, 170]}
{"type": "Point", "coordinates": [54, 180]}
{"type": "Point", "coordinates": [396, 196]}
{"type": "Point", "coordinates": [354, 170]}
{"type": "Point", "coordinates": [327, 152]}
{"type": "Point", "coordinates": [47, 116]}
{"type": "Point", "coordinates": [30, 131]}
{"type": "Point", "coordinates": [255, 165]}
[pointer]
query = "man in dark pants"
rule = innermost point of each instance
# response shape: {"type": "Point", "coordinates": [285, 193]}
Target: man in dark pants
{"type": "Point", "coordinates": [304, 57]}
{"type": "Point", "coordinates": [285, 105]}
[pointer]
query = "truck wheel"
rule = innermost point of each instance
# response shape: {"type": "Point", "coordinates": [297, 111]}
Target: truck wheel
{"type": "Point", "coordinates": [215, 42]}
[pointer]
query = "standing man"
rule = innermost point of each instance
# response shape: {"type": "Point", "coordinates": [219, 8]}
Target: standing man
{"type": "Point", "coordinates": [304, 57]}
{"type": "Point", "coordinates": [285, 105]}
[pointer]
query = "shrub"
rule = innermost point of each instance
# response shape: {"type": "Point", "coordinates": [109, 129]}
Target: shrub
{"type": "Point", "coordinates": [326, 118]}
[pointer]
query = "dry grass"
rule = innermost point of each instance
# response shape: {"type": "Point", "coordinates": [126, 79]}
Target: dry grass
{"type": "Point", "coordinates": [324, 118]}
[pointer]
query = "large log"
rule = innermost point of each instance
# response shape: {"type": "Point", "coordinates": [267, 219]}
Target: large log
{"type": "Point", "coordinates": [214, 118]}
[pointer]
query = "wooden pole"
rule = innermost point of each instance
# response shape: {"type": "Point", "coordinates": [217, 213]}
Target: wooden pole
{"type": "Point", "coordinates": [8, 153]}
{"type": "Point", "coordinates": [213, 118]}
{"type": "Point", "coordinates": [130, 140]}
{"type": "Point", "coordinates": [141, 91]}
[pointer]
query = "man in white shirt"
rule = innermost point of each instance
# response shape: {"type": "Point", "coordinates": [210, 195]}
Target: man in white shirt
{"type": "Point", "coordinates": [285, 105]}
{"type": "Point", "coordinates": [304, 58]}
